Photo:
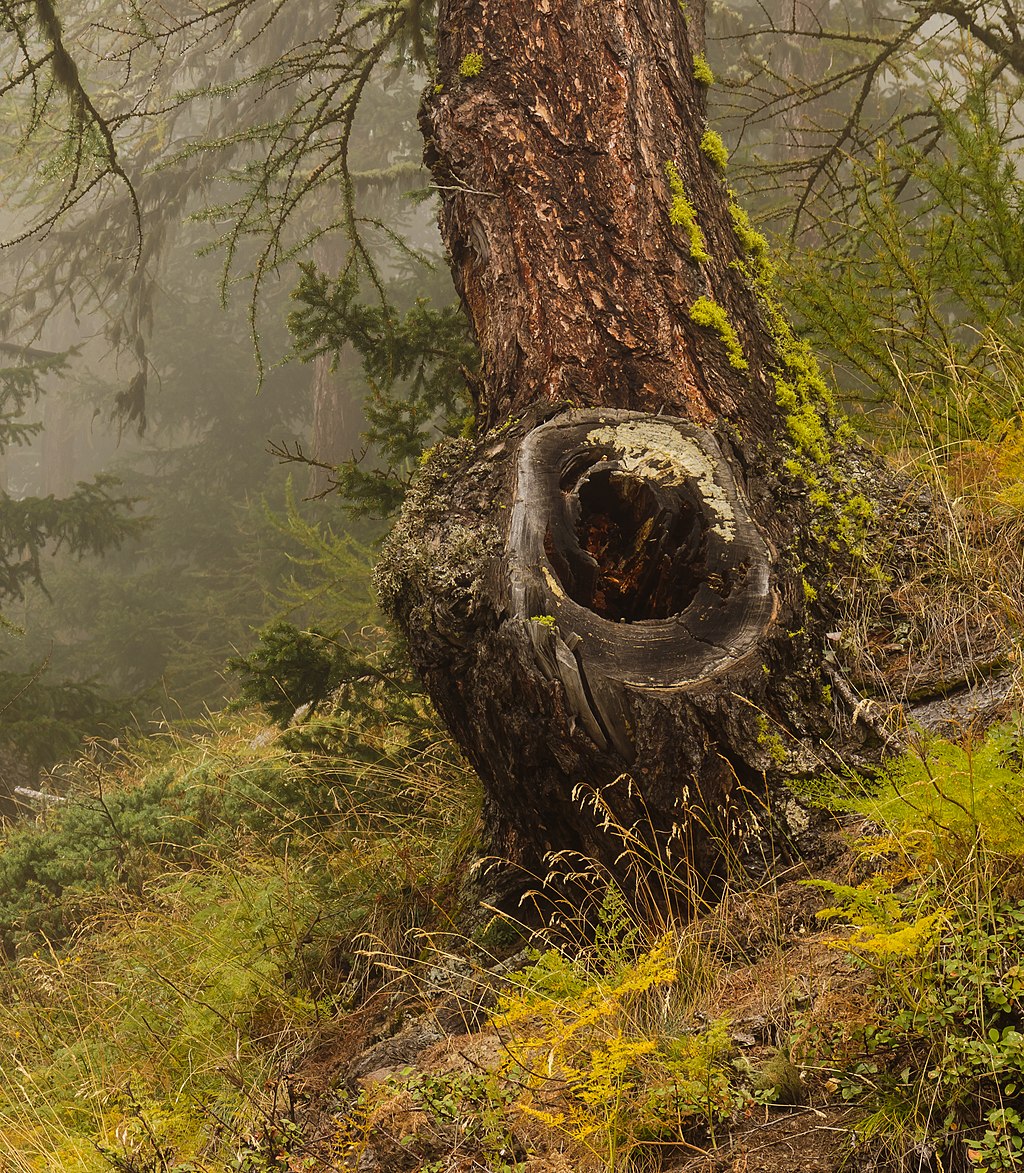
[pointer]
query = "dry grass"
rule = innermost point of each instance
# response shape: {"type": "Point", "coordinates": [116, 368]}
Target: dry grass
{"type": "Point", "coordinates": [948, 610]}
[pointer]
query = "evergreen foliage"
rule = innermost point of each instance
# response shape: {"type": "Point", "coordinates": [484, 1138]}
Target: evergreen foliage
{"type": "Point", "coordinates": [416, 366]}
{"type": "Point", "coordinates": [157, 619]}
{"type": "Point", "coordinates": [293, 668]}
{"type": "Point", "coordinates": [45, 721]}
{"type": "Point", "coordinates": [91, 520]}
{"type": "Point", "coordinates": [42, 721]}
{"type": "Point", "coordinates": [927, 281]}
{"type": "Point", "coordinates": [125, 817]}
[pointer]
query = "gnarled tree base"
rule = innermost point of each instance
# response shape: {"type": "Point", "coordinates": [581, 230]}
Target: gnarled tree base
{"type": "Point", "coordinates": [599, 621]}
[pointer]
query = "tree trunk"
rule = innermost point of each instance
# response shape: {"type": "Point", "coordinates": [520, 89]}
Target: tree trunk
{"type": "Point", "coordinates": [607, 593]}
{"type": "Point", "coordinates": [58, 472]}
{"type": "Point", "coordinates": [332, 436]}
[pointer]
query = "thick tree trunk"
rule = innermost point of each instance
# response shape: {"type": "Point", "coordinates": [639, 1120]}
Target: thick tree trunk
{"type": "Point", "coordinates": [607, 593]}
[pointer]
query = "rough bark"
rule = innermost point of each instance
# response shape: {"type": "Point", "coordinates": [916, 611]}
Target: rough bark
{"type": "Point", "coordinates": [606, 592]}
{"type": "Point", "coordinates": [557, 212]}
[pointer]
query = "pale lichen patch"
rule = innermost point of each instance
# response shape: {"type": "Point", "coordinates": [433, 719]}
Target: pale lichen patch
{"type": "Point", "coordinates": [660, 452]}
{"type": "Point", "coordinates": [553, 584]}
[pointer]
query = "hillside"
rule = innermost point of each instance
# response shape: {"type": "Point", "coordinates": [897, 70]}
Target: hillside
{"type": "Point", "coordinates": [241, 947]}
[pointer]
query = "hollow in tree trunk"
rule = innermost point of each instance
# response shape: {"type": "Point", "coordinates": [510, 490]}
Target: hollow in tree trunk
{"type": "Point", "coordinates": [607, 593]}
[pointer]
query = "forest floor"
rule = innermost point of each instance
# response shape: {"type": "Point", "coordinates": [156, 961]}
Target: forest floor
{"type": "Point", "coordinates": [257, 950]}
{"type": "Point", "coordinates": [431, 1074]}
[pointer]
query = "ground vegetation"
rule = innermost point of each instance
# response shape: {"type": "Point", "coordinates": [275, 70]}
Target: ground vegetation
{"type": "Point", "coordinates": [260, 944]}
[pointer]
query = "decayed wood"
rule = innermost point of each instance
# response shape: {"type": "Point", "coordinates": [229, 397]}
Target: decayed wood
{"type": "Point", "coordinates": [692, 593]}
{"type": "Point", "coordinates": [584, 729]}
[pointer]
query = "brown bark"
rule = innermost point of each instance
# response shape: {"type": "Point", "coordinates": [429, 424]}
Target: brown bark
{"type": "Point", "coordinates": [556, 211]}
{"type": "Point", "coordinates": [603, 593]}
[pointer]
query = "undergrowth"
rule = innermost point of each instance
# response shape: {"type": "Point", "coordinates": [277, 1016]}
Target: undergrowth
{"type": "Point", "coordinates": [187, 917]}
{"type": "Point", "coordinates": [604, 1061]}
{"type": "Point", "coordinates": [938, 922]}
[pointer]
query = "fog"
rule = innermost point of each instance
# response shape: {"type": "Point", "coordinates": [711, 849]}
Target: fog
{"type": "Point", "coordinates": [157, 211]}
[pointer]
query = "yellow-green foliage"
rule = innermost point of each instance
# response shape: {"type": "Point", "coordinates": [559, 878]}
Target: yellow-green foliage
{"type": "Point", "coordinates": [132, 1038]}
{"type": "Point", "coordinates": [952, 799]}
{"type": "Point", "coordinates": [769, 739]}
{"type": "Point", "coordinates": [702, 71]}
{"type": "Point", "coordinates": [154, 1033]}
{"type": "Point", "coordinates": [471, 65]}
{"type": "Point", "coordinates": [682, 214]}
{"type": "Point", "coordinates": [990, 469]}
{"type": "Point", "coordinates": [591, 1054]}
{"type": "Point", "coordinates": [941, 926]}
{"type": "Point", "coordinates": [712, 146]}
{"type": "Point", "coordinates": [712, 316]}
{"type": "Point", "coordinates": [883, 925]}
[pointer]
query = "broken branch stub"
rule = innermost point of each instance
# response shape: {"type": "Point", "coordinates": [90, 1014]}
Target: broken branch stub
{"type": "Point", "coordinates": [633, 561]}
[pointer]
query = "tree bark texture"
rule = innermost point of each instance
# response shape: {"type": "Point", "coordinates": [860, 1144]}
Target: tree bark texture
{"type": "Point", "coordinates": [605, 592]}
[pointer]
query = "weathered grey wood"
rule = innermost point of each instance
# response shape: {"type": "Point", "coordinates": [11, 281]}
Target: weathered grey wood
{"type": "Point", "coordinates": [730, 603]}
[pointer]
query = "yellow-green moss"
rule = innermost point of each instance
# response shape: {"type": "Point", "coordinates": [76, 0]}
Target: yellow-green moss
{"type": "Point", "coordinates": [702, 71]}
{"type": "Point", "coordinates": [751, 242]}
{"type": "Point", "coordinates": [682, 214]}
{"type": "Point", "coordinates": [771, 742]}
{"type": "Point", "coordinates": [712, 146]}
{"type": "Point", "coordinates": [807, 404]}
{"type": "Point", "coordinates": [712, 316]}
{"type": "Point", "coordinates": [472, 65]}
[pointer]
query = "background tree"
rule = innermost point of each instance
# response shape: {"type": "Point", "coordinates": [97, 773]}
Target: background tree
{"type": "Point", "coordinates": [163, 616]}
{"type": "Point", "coordinates": [41, 721]}
{"type": "Point", "coordinates": [811, 92]}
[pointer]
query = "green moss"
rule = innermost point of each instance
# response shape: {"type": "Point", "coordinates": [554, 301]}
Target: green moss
{"type": "Point", "coordinates": [807, 431]}
{"type": "Point", "coordinates": [771, 742]}
{"type": "Point", "coordinates": [712, 146]}
{"type": "Point", "coordinates": [682, 214]}
{"type": "Point", "coordinates": [702, 71]}
{"type": "Point", "coordinates": [712, 316]}
{"type": "Point", "coordinates": [411, 569]}
{"type": "Point", "coordinates": [806, 401]}
{"type": "Point", "coordinates": [751, 242]}
{"type": "Point", "coordinates": [472, 65]}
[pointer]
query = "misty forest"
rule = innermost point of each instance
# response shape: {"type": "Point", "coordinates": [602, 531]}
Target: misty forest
{"type": "Point", "coordinates": [512, 586]}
